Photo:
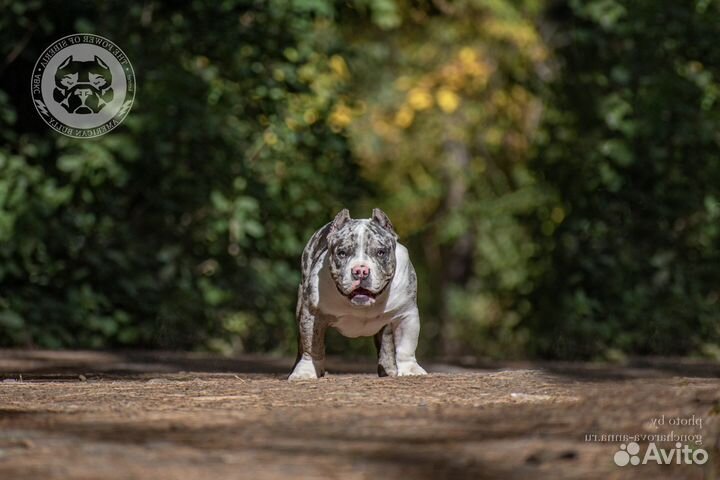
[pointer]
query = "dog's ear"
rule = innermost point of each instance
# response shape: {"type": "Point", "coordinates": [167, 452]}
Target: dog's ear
{"type": "Point", "coordinates": [379, 217]}
{"type": "Point", "coordinates": [65, 63]}
{"type": "Point", "coordinates": [340, 219]}
{"type": "Point", "coordinates": [99, 61]}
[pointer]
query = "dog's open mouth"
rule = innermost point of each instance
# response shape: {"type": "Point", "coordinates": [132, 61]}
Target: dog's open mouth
{"type": "Point", "coordinates": [362, 296]}
{"type": "Point", "coordinates": [362, 292]}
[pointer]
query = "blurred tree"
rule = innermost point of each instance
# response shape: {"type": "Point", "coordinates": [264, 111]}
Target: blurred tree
{"type": "Point", "coordinates": [559, 192]}
{"type": "Point", "coordinates": [631, 149]}
{"type": "Point", "coordinates": [444, 130]}
{"type": "Point", "coordinates": [183, 227]}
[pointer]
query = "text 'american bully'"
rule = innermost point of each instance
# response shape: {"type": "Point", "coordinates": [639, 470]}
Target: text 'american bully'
{"type": "Point", "coordinates": [358, 278]}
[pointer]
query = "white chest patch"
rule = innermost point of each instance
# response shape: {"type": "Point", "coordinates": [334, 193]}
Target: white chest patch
{"type": "Point", "coordinates": [352, 326]}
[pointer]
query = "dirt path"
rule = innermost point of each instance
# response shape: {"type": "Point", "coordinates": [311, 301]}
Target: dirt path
{"type": "Point", "coordinates": [79, 415]}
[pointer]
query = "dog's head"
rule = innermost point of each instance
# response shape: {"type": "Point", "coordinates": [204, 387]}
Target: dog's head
{"type": "Point", "coordinates": [83, 86]}
{"type": "Point", "coordinates": [362, 256]}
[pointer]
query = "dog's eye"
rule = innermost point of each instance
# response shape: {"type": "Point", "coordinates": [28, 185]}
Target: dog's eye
{"type": "Point", "coordinates": [69, 80]}
{"type": "Point", "coordinates": [97, 79]}
{"type": "Point", "coordinates": [381, 253]}
{"type": "Point", "coordinates": [341, 253]}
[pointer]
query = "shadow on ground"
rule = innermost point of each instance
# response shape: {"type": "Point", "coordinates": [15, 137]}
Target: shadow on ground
{"type": "Point", "coordinates": [165, 415]}
{"type": "Point", "coordinates": [37, 364]}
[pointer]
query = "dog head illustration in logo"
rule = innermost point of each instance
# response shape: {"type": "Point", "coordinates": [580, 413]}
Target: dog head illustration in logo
{"type": "Point", "coordinates": [83, 87]}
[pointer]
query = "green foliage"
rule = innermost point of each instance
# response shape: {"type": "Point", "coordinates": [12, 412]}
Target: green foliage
{"type": "Point", "coordinates": [631, 148]}
{"type": "Point", "coordinates": [183, 227]}
{"type": "Point", "coordinates": [559, 192]}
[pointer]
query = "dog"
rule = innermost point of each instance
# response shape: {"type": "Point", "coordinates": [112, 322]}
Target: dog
{"type": "Point", "coordinates": [357, 278]}
{"type": "Point", "coordinates": [83, 87]}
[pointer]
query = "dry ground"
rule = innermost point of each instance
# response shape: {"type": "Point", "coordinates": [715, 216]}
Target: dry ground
{"type": "Point", "coordinates": [83, 415]}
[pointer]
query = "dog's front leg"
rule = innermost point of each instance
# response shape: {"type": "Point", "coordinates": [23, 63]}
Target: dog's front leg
{"type": "Point", "coordinates": [406, 331]}
{"type": "Point", "coordinates": [310, 361]}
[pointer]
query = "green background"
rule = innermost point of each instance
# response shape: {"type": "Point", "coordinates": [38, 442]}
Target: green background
{"type": "Point", "coordinates": [553, 167]}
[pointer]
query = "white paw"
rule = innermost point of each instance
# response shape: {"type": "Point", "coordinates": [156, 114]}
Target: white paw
{"type": "Point", "coordinates": [304, 370]}
{"type": "Point", "coordinates": [409, 368]}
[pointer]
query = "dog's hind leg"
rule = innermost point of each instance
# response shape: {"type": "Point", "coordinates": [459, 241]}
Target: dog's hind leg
{"type": "Point", "coordinates": [385, 345]}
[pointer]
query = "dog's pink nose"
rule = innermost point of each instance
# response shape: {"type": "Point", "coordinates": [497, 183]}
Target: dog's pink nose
{"type": "Point", "coordinates": [360, 271]}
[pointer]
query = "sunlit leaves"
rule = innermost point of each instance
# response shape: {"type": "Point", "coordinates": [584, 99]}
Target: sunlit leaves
{"type": "Point", "coordinates": [446, 138]}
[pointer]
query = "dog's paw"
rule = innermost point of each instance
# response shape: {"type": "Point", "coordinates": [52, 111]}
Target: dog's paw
{"type": "Point", "coordinates": [386, 370]}
{"type": "Point", "coordinates": [409, 368]}
{"type": "Point", "coordinates": [304, 370]}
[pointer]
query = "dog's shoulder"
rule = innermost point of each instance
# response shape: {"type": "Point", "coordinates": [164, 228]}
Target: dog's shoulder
{"type": "Point", "coordinates": [315, 248]}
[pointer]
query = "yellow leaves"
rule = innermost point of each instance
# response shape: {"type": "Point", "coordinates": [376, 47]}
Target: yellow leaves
{"type": "Point", "coordinates": [479, 73]}
{"type": "Point", "coordinates": [404, 117]}
{"type": "Point", "coordinates": [401, 129]}
{"type": "Point", "coordinates": [340, 117]}
{"type": "Point", "coordinates": [447, 100]}
{"type": "Point", "coordinates": [469, 70]}
{"type": "Point", "coordinates": [557, 215]}
{"type": "Point", "coordinates": [467, 56]}
{"type": "Point", "coordinates": [338, 65]}
{"type": "Point", "coordinates": [419, 98]}
{"type": "Point", "coordinates": [344, 113]}
{"type": "Point", "coordinates": [520, 33]}
{"type": "Point", "coordinates": [324, 75]}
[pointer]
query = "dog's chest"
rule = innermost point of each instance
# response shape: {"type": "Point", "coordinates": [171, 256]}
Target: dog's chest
{"type": "Point", "coordinates": [357, 326]}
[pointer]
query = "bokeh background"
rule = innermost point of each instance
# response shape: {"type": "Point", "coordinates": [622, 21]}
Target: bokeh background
{"type": "Point", "coordinates": [553, 166]}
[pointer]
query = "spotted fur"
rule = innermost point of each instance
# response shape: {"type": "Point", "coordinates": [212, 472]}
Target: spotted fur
{"type": "Point", "coordinates": [381, 304]}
